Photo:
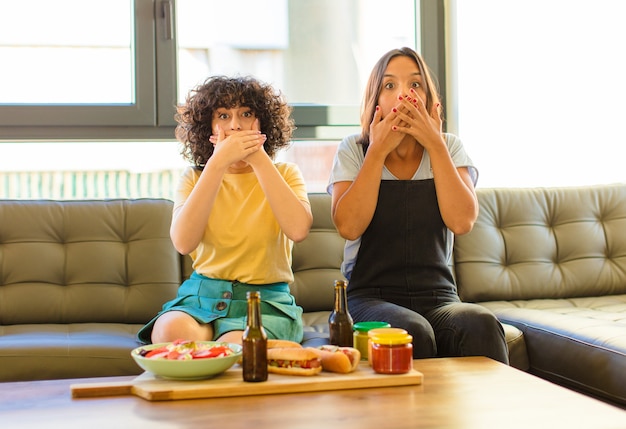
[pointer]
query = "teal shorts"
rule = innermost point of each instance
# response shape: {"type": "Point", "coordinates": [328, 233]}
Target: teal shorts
{"type": "Point", "coordinates": [224, 304]}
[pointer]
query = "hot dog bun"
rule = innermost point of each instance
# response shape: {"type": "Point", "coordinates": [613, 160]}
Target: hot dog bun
{"type": "Point", "coordinates": [282, 344]}
{"type": "Point", "coordinates": [338, 359]}
{"type": "Point", "coordinates": [293, 361]}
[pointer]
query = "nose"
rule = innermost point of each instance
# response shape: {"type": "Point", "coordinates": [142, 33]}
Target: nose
{"type": "Point", "coordinates": [235, 125]}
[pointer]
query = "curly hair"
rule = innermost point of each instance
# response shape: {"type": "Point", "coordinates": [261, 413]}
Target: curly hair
{"type": "Point", "coordinates": [195, 116]}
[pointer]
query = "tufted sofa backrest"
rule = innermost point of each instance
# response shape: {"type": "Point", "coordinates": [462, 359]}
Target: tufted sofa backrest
{"type": "Point", "coordinates": [85, 261]}
{"type": "Point", "coordinates": [112, 261]}
{"type": "Point", "coordinates": [544, 243]}
{"type": "Point", "coordinates": [317, 259]}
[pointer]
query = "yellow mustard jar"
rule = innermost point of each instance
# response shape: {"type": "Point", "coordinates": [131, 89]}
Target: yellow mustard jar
{"type": "Point", "coordinates": [361, 338]}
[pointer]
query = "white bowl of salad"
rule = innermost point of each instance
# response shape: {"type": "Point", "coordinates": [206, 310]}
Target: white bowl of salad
{"type": "Point", "coordinates": [187, 360]}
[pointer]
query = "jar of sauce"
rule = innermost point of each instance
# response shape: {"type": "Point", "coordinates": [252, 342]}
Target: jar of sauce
{"type": "Point", "coordinates": [376, 331]}
{"type": "Point", "coordinates": [392, 353]}
{"type": "Point", "coordinates": [361, 338]}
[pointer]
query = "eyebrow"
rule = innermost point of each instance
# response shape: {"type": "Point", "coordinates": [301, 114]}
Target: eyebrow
{"type": "Point", "coordinates": [393, 75]}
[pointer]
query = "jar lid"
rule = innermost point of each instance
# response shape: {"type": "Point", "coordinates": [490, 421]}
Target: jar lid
{"type": "Point", "coordinates": [391, 339]}
{"type": "Point", "coordinates": [376, 331]}
{"type": "Point", "coordinates": [366, 326]}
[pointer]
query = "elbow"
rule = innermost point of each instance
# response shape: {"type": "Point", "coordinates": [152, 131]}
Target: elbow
{"type": "Point", "coordinates": [462, 229]}
{"type": "Point", "coordinates": [299, 234]}
{"type": "Point", "coordinates": [347, 232]}
{"type": "Point", "coordinates": [464, 221]}
{"type": "Point", "coordinates": [184, 247]}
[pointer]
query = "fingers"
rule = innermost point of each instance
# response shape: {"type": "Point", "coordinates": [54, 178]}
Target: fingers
{"type": "Point", "coordinates": [378, 116]}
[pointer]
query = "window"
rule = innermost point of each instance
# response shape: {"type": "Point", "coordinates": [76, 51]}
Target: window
{"type": "Point", "coordinates": [114, 71]}
{"type": "Point", "coordinates": [79, 64]}
{"type": "Point", "coordinates": [540, 90]}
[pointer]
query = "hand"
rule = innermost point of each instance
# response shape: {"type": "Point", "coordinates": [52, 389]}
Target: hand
{"type": "Point", "coordinates": [425, 127]}
{"type": "Point", "coordinates": [382, 135]}
{"type": "Point", "coordinates": [237, 145]}
{"type": "Point", "coordinates": [254, 158]}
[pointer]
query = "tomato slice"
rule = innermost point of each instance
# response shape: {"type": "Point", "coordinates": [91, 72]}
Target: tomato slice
{"type": "Point", "coordinates": [156, 351]}
{"type": "Point", "coordinates": [211, 353]}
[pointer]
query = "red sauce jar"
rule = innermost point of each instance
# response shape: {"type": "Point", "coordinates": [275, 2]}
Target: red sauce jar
{"type": "Point", "coordinates": [377, 331]}
{"type": "Point", "coordinates": [392, 352]}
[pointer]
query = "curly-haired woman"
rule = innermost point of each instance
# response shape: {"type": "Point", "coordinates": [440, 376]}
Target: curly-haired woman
{"type": "Point", "coordinates": [236, 213]}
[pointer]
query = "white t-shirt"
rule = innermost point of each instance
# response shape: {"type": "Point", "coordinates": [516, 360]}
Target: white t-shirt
{"type": "Point", "coordinates": [347, 164]}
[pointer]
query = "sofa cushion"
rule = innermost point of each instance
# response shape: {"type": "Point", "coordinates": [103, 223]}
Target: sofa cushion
{"type": "Point", "coordinates": [544, 243]}
{"type": "Point", "coordinates": [48, 351]}
{"type": "Point", "coordinates": [580, 342]}
{"type": "Point", "coordinates": [108, 261]}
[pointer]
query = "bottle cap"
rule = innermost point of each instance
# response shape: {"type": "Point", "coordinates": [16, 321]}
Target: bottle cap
{"type": "Point", "coordinates": [253, 294]}
{"type": "Point", "coordinates": [377, 331]}
{"type": "Point", "coordinates": [367, 326]}
{"type": "Point", "coordinates": [391, 339]}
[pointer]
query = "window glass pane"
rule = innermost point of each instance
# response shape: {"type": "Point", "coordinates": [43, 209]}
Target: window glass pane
{"type": "Point", "coordinates": [315, 51]}
{"type": "Point", "coordinates": [72, 52]}
{"type": "Point", "coordinates": [541, 88]}
{"type": "Point", "coordinates": [73, 170]}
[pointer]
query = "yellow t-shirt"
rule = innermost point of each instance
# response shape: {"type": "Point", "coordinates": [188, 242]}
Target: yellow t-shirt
{"type": "Point", "coordinates": [242, 240]}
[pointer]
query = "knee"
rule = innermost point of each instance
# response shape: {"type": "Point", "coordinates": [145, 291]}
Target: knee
{"type": "Point", "coordinates": [486, 323]}
{"type": "Point", "coordinates": [175, 325]}
{"type": "Point", "coordinates": [424, 342]}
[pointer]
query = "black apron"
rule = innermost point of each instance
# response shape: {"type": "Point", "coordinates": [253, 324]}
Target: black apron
{"type": "Point", "coordinates": [404, 252]}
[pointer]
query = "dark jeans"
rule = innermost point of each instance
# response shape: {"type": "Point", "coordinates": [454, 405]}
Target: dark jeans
{"type": "Point", "coordinates": [446, 330]}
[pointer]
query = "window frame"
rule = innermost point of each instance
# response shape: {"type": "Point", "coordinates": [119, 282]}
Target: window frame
{"type": "Point", "coordinates": [20, 118]}
{"type": "Point", "coordinates": [151, 117]}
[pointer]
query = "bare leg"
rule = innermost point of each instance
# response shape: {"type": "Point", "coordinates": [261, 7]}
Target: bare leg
{"type": "Point", "coordinates": [231, 337]}
{"type": "Point", "coordinates": [175, 325]}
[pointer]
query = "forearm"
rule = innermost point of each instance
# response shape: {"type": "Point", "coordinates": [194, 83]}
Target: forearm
{"type": "Point", "coordinates": [354, 203]}
{"type": "Point", "coordinates": [455, 193]}
{"type": "Point", "coordinates": [293, 215]}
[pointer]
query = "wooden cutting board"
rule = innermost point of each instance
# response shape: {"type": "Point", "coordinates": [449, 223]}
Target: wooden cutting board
{"type": "Point", "coordinates": [230, 383]}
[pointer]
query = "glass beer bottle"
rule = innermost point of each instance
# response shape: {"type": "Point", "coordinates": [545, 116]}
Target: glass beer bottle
{"type": "Point", "coordinates": [254, 342]}
{"type": "Point", "coordinates": [340, 321]}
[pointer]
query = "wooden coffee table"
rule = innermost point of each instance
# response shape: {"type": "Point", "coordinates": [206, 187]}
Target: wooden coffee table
{"type": "Point", "coordinates": [455, 393]}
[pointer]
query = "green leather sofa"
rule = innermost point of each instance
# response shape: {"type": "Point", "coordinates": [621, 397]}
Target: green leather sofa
{"type": "Point", "coordinates": [552, 262]}
{"type": "Point", "coordinates": [79, 278]}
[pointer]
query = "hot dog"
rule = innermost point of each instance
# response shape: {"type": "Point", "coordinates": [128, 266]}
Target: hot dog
{"type": "Point", "coordinates": [338, 359]}
{"type": "Point", "coordinates": [293, 361]}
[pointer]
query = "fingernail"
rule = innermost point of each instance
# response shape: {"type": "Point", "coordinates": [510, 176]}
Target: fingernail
{"type": "Point", "coordinates": [377, 108]}
{"type": "Point", "coordinates": [394, 110]}
{"type": "Point", "coordinates": [400, 97]}
{"type": "Point", "coordinates": [394, 128]}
